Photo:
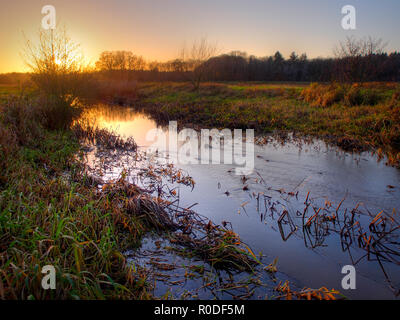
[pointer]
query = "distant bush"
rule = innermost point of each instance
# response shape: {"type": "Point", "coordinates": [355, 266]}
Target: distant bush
{"type": "Point", "coordinates": [13, 78]}
{"type": "Point", "coordinates": [57, 113]}
{"type": "Point", "coordinates": [319, 95]}
{"type": "Point", "coordinates": [357, 96]}
{"type": "Point", "coordinates": [395, 98]}
{"type": "Point", "coordinates": [20, 125]}
{"type": "Point", "coordinates": [322, 95]}
{"type": "Point", "coordinates": [116, 91]}
{"type": "Point", "coordinates": [22, 120]}
{"type": "Point", "coordinates": [59, 77]}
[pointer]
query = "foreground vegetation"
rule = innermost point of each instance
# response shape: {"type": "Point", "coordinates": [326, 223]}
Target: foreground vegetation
{"type": "Point", "coordinates": [49, 216]}
{"type": "Point", "coordinates": [52, 212]}
{"type": "Point", "coordinates": [356, 117]}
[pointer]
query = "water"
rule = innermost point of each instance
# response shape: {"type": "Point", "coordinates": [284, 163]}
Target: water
{"type": "Point", "coordinates": [283, 176]}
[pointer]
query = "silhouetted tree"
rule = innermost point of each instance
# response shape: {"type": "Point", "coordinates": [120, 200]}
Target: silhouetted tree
{"type": "Point", "coordinates": [358, 59]}
{"type": "Point", "coordinates": [355, 60]}
{"type": "Point", "coordinates": [194, 59]}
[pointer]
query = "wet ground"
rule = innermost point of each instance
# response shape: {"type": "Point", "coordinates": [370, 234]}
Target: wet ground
{"type": "Point", "coordinates": [283, 210]}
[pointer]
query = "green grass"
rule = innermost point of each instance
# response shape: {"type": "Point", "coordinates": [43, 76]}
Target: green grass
{"type": "Point", "coordinates": [214, 93]}
{"type": "Point", "coordinates": [6, 90]}
{"type": "Point", "coordinates": [358, 117]}
{"type": "Point", "coordinates": [51, 213]}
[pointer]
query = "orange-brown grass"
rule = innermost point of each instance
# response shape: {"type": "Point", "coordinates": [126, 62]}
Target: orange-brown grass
{"type": "Point", "coordinates": [306, 293]}
{"type": "Point", "coordinates": [349, 95]}
{"type": "Point", "coordinates": [116, 91]}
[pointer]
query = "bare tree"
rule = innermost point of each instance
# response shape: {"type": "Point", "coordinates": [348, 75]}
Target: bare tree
{"type": "Point", "coordinates": [58, 70]}
{"type": "Point", "coordinates": [353, 47]}
{"type": "Point", "coordinates": [154, 66]}
{"type": "Point", "coordinates": [136, 62]}
{"type": "Point", "coordinates": [56, 63]}
{"type": "Point", "coordinates": [193, 61]}
{"type": "Point", "coordinates": [106, 61]}
{"type": "Point", "coordinates": [356, 58]}
{"type": "Point", "coordinates": [120, 61]}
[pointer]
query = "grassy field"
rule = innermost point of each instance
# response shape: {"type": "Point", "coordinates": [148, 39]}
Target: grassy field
{"type": "Point", "coordinates": [355, 117]}
{"type": "Point", "coordinates": [6, 90]}
{"type": "Point", "coordinates": [52, 212]}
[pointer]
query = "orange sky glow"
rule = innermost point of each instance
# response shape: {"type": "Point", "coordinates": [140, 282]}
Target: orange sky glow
{"type": "Point", "coordinates": [157, 29]}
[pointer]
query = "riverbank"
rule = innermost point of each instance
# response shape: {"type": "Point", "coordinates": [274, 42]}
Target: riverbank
{"type": "Point", "coordinates": [53, 212]}
{"type": "Point", "coordinates": [284, 176]}
{"type": "Point", "coordinates": [354, 117]}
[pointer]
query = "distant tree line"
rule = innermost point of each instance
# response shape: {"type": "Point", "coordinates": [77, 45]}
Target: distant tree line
{"type": "Point", "coordinates": [13, 78]}
{"type": "Point", "coordinates": [355, 60]}
{"type": "Point", "coordinates": [233, 67]}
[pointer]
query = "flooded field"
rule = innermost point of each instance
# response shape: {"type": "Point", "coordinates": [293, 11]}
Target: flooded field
{"type": "Point", "coordinates": [312, 207]}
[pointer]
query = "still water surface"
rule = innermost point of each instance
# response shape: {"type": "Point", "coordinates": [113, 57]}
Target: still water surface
{"type": "Point", "coordinates": [327, 173]}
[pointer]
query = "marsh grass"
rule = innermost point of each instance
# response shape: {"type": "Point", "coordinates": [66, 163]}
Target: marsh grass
{"type": "Point", "coordinates": [114, 91]}
{"type": "Point", "coordinates": [87, 133]}
{"type": "Point", "coordinates": [51, 213]}
{"type": "Point", "coordinates": [355, 117]}
{"type": "Point", "coordinates": [50, 217]}
{"type": "Point", "coordinates": [350, 95]}
{"type": "Point", "coordinates": [322, 293]}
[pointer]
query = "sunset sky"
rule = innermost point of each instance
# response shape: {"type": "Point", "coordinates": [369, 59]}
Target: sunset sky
{"type": "Point", "coordinates": [157, 29]}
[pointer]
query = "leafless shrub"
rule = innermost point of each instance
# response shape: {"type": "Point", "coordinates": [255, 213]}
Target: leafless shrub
{"type": "Point", "coordinates": [358, 58]}
{"type": "Point", "coordinates": [193, 61]}
{"type": "Point", "coordinates": [57, 64]}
